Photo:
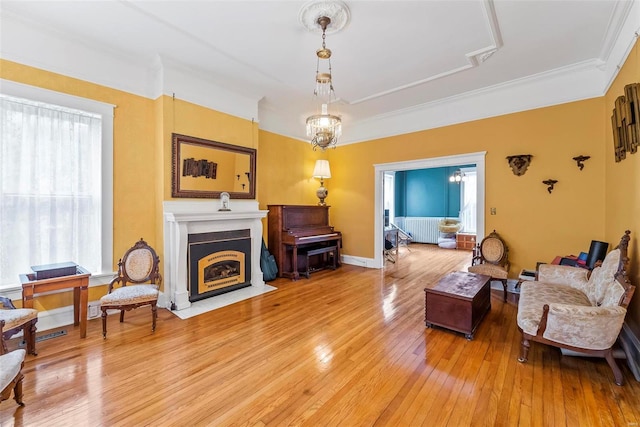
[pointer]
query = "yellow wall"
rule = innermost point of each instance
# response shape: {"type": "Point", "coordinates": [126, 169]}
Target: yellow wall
{"type": "Point", "coordinates": [134, 183]}
{"type": "Point", "coordinates": [622, 195]}
{"type": "Point", "coordinates": [285, 166]}
{"type": "Point", "coordinates": [190, 119]}
{"type": "Point", "coordinates": [596, 203]}
{"type": "Point", "coordinates": [536, 225]}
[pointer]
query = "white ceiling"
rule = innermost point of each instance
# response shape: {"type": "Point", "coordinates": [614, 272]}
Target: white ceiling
{"type": "Point", "coordinates": [398, 66]}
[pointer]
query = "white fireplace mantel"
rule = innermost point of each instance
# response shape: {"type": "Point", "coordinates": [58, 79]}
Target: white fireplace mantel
{"type": "Point", "coordinates": [182, 218]}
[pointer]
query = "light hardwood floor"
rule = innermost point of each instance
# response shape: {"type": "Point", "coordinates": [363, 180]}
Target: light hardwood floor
{"type": "Point", "coordinates": [343, 348]}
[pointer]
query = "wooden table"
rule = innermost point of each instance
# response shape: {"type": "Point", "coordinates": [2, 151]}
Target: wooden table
{"type": "Point", "coordinates": [80, 284]}
{"type": "Point", "coordinates": [459, 301]}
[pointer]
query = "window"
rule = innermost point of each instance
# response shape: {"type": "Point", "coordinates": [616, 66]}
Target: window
{"type": "Point", "coordinates": [389, 198]}
{"type": "Point", "coordinates": [55, 181]}
{"type": "Point", "coordinates": [468, 205]}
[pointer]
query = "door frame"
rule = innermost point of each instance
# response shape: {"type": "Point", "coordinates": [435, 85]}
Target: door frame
{"type": "Point", "coordinates": [455, 160]}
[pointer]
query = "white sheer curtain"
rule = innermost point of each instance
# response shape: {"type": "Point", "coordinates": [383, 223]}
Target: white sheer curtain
{"type": "Point", "coordinates": [50, 187]}
{"type": "Point", "coordinates": [468, 205]}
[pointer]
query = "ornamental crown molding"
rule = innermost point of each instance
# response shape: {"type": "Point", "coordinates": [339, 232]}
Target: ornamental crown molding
{"type": "Point", "coordinates": [336, 10]}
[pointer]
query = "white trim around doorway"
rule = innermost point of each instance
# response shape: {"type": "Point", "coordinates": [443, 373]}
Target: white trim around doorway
{"type": "Point", "coordinates": [435, 162]}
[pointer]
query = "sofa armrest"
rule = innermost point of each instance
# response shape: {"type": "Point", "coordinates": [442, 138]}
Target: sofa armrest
{"type": "Point", "coordinates": [575, 277]}
{"type": "Point", "coordinates": [594, 328]}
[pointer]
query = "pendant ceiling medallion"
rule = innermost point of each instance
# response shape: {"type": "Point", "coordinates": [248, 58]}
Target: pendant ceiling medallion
{"type": "Point", "coordinates": [337, 11]}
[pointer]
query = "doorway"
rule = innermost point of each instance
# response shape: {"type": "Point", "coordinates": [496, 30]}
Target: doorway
{"type": "Point", "coordinates": [385, 168]}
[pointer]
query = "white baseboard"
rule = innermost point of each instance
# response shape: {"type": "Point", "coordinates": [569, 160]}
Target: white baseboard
{"type": "Point", "coordinates": [631, 347]}
{"type": "Point", "coordinates": [63, 316]}
{"type": "Point", "coordinates": [359, 261]}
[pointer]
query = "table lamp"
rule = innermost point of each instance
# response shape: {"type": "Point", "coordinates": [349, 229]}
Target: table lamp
{"type": "Point", "coordinates": [322, 171]}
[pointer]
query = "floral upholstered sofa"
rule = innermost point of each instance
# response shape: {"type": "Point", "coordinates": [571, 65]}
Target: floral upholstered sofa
{"type": "Point", "coordinates": [569, 308]}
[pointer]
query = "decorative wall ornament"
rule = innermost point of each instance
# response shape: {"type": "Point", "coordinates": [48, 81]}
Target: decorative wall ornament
{"type": "Point", "coordinates": [519, 163]}
{"type": "Point", "coordinates": [580, 160]}
{"type": "Point", "coordinates": [625, 122]}
{"type": "Point", "coordinates": [198, 168]}
{"type": "Point", "coordinates": [550, 183]}
{"type": "Point", "coordinates": [336, 10]}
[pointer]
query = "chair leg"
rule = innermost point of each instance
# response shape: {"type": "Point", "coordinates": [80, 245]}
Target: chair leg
{"type": "Point", "coordinates": [104, 323]}
{"type": "Point", "coordinates": [617, 373]}
{"type": "Point", "coordinates": [29, 332]}
{"type": "Point", "coordinates": [17, 390]}
{"type": "Point", "coordinates": [524, 349]}
{"type": "Point", "coordinates": [504, 285]}
{"type": "Point", "coordinates": [121, 316]}
{"type": "Point", "coordinates": [154, 314]}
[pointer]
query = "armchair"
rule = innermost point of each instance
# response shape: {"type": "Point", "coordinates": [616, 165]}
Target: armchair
{"type": "Point", "coordinates": [490, 258]}
{"type": "Point", "coordinates": [11, 376]}
{"type": "Point", "coordinates": [568, 308]}
{"type": "Point", "coordinates": [16, 320]}
{"type": "Point", "coordinates": [138, 266]}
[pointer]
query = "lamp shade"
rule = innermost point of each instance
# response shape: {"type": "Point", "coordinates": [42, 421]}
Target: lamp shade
{"type": "Point", "coordinates": [322, 170]}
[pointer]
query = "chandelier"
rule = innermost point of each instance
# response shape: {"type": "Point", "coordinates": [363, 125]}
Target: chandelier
{"type": "Point", "coordinates": [324, 128]}
{"type": "Point", "coordinates": [457, 177]}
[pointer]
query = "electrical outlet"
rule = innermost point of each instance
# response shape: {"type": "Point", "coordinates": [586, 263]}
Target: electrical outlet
{"type": "Point", "coordinates": [93, 311]}
{"type": "Point", "coordinates": [493, 211]}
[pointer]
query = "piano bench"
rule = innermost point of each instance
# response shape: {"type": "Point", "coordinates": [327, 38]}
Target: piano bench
{"type": "Point", "coordinates": [307, 254]}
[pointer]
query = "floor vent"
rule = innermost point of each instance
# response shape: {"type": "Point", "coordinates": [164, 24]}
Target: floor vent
{"type": "Point", "coordinates": [51, 335]}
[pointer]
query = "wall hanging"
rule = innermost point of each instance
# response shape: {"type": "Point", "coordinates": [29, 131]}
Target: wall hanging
{"type": "Point", "coordinates": [550, 183]}
{"type": "Point", "coordinates": [625, 122]}
{"type": "Point", "coordinates": [519, 163]}
{"type": "Point", "coordinates": [580, 160]}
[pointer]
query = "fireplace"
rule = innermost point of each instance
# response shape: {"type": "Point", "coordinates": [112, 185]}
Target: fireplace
{"type": "Point", "coordinates": [218, 262]}
{"type": "Point", "coordinates": [188, 223]}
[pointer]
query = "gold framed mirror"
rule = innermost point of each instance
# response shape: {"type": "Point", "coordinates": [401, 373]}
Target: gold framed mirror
{"type": "Point", "coordinates": [201, 168]}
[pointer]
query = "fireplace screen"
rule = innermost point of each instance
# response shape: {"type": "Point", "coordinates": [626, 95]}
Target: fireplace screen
{"type": "Point", "coordinates": [218, 262]}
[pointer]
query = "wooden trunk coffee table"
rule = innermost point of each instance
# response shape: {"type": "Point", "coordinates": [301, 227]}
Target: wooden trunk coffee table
{"type": "Point", "coordinates": [459, 301]}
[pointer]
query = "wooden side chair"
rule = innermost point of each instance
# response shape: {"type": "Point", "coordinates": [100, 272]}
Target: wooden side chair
{"type": "Point", "coordinates": [135, 285]}
{"type": "Point", "coordinates": [16, 320]}
{"type": "Point", "coordinates": [490, 258]}
{"type": "Point", "coordinates": [11, 376]}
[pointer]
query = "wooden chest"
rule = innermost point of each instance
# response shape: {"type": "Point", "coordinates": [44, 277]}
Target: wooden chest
{"type": "Point", "coordinates": [459, 301]}
{"type": "Point", "coordinates": [465, 241]}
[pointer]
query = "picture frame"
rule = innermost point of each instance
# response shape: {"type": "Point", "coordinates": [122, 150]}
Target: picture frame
{"type": "Point", "coordinates": [202, 168]}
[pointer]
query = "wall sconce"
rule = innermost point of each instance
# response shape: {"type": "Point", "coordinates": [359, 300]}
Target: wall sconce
{"type": "Point", "coordinates": [457, 177]}
{"type": "Point", "coordinates": [550, 183]}
{"type": "Point", "coordinates": [322, 171]}
{"type": "Point", "coordinates": [519, 163]}
{"type": "Point", "coordinates": [580, 160]}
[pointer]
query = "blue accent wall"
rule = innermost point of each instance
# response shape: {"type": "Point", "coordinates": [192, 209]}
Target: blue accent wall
{"type": "Point", "coordinates": [425, 192]}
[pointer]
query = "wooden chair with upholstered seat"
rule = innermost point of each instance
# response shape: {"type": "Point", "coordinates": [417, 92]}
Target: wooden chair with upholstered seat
{"type": "Point", "coordinates": [16, 320]}
{"type": "Point", "coordinates": [11, 376]}
{"type": "Point", "coordinates": [490, 258]}
{"type": "Point", "coordinates": [135, 285]}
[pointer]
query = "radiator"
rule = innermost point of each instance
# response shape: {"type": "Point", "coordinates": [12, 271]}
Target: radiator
{"type": "Point", "coordinates": [422, 229]}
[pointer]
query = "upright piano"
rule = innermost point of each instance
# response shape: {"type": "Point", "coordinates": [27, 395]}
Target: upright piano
{"type": "Point", "coordinates": [299, 227]}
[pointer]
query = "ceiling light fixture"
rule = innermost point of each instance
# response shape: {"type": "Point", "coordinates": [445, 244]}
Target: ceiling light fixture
{"type": "Point", "coordinates": [457, 177]}
{"type": "Point", "coordinates": [324, 128]}
{"type": "Point", "coordinates": [326, 17]}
